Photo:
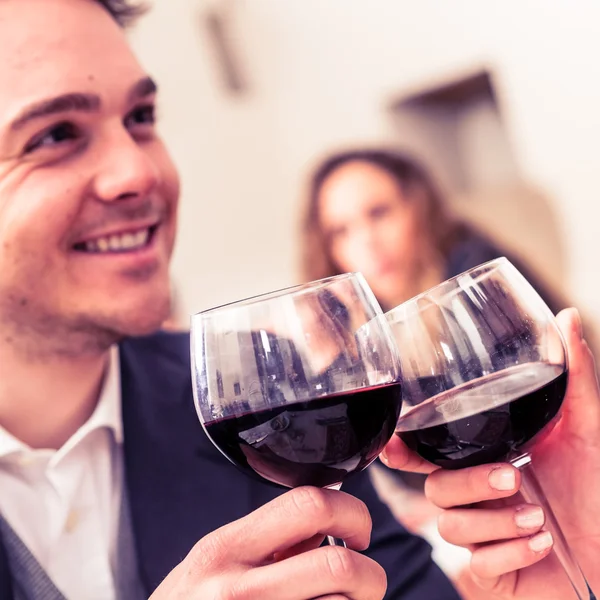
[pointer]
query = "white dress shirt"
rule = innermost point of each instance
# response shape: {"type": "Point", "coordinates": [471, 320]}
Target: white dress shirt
{"type": "Point", "coordinates": [64, 504]}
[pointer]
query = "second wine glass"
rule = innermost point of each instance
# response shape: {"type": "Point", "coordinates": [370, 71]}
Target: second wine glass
{"type": "Point", "coordinates": [484, 372]}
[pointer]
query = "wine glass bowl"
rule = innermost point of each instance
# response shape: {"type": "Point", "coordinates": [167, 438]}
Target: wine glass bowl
{"type": "Point", "coordinates": [484, 368]}
{"type": "Point", "coordinates": [299, 386]}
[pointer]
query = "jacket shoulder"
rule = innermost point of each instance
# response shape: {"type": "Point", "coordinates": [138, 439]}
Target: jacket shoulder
{"type": "Point", "coordinates": [163, 346]}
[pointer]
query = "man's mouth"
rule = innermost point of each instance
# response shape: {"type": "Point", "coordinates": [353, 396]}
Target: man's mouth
{"type": "Point", "coordinates": [128, 241]}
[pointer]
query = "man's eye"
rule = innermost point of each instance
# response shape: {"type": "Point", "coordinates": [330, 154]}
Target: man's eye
{"type": "Point", "coordinates": [142, 115]}
{"type": "Point", "coordinates": [57, 135]}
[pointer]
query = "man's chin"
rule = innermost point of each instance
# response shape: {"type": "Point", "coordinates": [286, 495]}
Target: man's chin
{"type": "Point", "coordinates": [134, 320]}
{"type": "Point", "coordinates": [140, 325]}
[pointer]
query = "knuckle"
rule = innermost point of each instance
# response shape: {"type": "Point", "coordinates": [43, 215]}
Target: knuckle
{"type": "Point", "coordinates": [339, 563]}
{"type": "Point", "coordinates": [311, 502]}
{"type": "Point", "coordinates": [237, 590]}
{"type": "Point", "coordinates": [208, 553]}
{"type": "Point", "coordinates": [364, 516]}
{"type": "Point", "coordinates": [490, 562]}
{"type": "Point", "coordinates": [436, 486]}
{"type": "Point", "coordinates": [474, 482]}
{"type": "Point", "coordinates": [430, 486]}
{"type": "Point", "coordinates": [480, 566]}
{"type": "Point", "coordinates": [495, 586]}
{"type": "Point", "coordinates": [379, 584]}
{"type": "Point", "coordinates": [447, 526]}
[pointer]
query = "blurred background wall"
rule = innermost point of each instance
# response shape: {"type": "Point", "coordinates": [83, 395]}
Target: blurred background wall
{"type": "Point", "coordinates": [254, 91]}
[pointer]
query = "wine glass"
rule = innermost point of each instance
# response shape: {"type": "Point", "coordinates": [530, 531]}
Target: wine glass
{"type": "Point", "coordinates": [485, 372]}
{"type": "Point", "coordinates": [300, 386]}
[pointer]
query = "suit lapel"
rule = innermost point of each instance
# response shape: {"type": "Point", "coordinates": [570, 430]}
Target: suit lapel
{"type": "Point", "coordinates": [180, 487]}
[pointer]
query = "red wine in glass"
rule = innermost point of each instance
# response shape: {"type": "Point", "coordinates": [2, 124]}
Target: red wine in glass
{"type": "Point", "coordinates": [490, 419]}
{"type": "Point", "coordinates": [317, 442]}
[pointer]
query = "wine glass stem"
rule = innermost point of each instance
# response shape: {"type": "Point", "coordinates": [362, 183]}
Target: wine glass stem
{"type": "Point", "coordinates": [533, 493]}
{"type": "Point", "coordinates": [333, 541]}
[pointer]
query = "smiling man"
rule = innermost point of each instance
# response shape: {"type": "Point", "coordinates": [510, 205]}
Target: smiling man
{"type": "Point", "coordinates": [108, 486]}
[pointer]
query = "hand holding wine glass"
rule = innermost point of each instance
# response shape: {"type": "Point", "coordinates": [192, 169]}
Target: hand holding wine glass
{"type": "Point", "coordinates": [273, 554]}
{"type": "Point", "coordinates": [568, 464]}
{"type": "Point", "coordinates": [566, 459]}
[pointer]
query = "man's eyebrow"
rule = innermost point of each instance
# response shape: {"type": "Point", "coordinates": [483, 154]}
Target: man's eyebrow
{"type": "Point", "coordinates": [53, 106]}
{"type": "Point", "coordinates": [77, 102]}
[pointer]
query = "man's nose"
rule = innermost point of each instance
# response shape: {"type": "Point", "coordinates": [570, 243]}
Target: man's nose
{"type": "Point", "coordinates": [125, 170]}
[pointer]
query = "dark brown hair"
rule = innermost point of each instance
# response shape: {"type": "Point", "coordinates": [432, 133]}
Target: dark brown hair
{"type": "Point", "coordinates": [438, 230]}
{"type": "Point", "coordinates": [124, 12]}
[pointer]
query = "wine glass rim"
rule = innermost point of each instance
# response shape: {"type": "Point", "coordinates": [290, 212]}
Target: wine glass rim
{"type": "Point", "coordinates": [485, 269]}
{"type": "Point", "coordinates": [291, 290]}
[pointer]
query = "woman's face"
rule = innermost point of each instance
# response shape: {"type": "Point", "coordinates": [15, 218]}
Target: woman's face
{"type": "Point", "coordinates": [370, 227]}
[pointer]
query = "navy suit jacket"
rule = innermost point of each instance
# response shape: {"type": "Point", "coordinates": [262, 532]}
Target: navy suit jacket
{"type": "Point", "coordinates": [181, 488]}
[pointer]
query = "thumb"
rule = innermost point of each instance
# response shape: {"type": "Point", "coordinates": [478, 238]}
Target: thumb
{"type": "Point", "coordinates": [396, 455]}
{"type": "Point", "coordinates": [581, 408]}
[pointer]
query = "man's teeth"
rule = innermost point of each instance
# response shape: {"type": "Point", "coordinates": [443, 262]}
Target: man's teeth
{"type": "Point", "coordinates": [119, 243]}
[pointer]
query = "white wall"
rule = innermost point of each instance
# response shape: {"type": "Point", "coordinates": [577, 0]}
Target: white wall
{"type": "Point", "coordinates": [321, 74]}
{"type": "Point", "coordinates": [231, 242]}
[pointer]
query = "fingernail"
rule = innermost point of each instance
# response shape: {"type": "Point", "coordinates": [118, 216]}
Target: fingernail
{"type": "Point", "coordinates": [541, 542]}
{"type": "Point", "coordinates": [529, 517]}
{"type": "Point", "coordinates": [383, 457]}
{"type": "Point", "coordinates": [502, 479]}
{"type": "Point", "coordinates": [577, 325]}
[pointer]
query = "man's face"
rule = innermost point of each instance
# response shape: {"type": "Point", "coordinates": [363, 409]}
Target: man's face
{"type": "Point", "coordinates": [88, 193]}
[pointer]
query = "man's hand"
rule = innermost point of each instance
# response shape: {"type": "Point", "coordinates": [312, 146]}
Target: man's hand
{"type": "Point", "coordinates": [274, 554]}
{"type": "Point", "coordinates": [512, 555]}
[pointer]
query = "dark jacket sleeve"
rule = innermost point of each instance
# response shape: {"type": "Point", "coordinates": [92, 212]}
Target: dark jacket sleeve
{"type": "Point", "coordinates": [406, 558]}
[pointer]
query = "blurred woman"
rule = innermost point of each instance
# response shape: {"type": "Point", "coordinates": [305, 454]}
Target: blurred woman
{"type": "Point", "coordinates": [380, 213]}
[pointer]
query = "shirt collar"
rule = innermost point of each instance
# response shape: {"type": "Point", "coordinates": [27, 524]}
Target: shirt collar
{"type": "Point", "coordinates": [107, 414]}
{"type": "Point", "coordinates": [108, 410]}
